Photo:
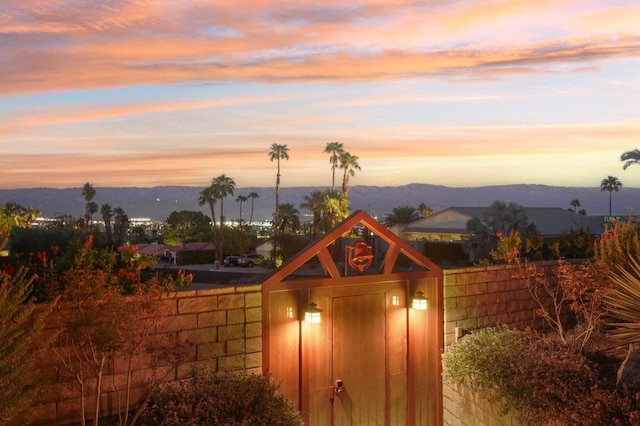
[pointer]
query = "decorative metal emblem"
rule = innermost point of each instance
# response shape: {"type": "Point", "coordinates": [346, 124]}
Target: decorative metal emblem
{"type": "Point", "coordinates": [359, 255]}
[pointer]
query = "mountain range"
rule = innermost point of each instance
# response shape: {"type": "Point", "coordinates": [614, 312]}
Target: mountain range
{"type": "Point", "coordinates": [158, 202]}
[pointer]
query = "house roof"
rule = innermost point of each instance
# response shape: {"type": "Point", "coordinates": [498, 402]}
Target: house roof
{"type": "Point", "coordinates": [550, 221]}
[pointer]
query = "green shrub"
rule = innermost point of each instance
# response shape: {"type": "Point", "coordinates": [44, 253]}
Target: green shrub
{"type": "Point", "coordinates": [536, 378]}
{"type": "Point", "coordinates": [229, 399]}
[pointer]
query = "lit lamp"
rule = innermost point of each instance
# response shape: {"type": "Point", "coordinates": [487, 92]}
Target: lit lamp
{"type": "Point", "coordinates": [312, 313]}
{"type": "Point", "coordinates": [419, 301]}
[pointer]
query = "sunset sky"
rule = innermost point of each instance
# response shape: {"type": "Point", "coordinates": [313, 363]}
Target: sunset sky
{"type": "Point", "coordinates": [456, 93]}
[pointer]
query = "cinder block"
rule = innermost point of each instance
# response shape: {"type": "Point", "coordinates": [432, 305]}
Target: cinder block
{"type": "Point", "coordinates": [212, 319]}
{"type": "Point", "coordinates": [230, 301]}
{"type": "Point", "coordinates": [197, 304]}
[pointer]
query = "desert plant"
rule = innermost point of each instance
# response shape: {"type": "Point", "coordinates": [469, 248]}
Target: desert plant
{"type": "Point", "coordinates": [535, 378]}
{"type": "Point", "coordinates": [22, 341]}
{"type": "Point", "coordinates": [623, 302]}
{"type": "Point", "coordinates": [619, 245]}
{"type": "Point", "coordinates": [576, 288]}
{"type": "Point", "coordinates": [211, 398]}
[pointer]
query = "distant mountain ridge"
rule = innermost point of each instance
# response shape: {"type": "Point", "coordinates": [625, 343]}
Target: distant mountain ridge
{"type": "Point", "coordinates": [158, 202]}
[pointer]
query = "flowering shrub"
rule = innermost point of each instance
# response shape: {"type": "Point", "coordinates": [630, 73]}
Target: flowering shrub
{"type": "Point", "coordinates": [229, 399]}
{"type": "Point", "coordinates": [537, 379]}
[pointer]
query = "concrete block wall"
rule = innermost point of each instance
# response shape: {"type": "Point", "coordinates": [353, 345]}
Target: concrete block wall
{"type": "Point", "coordinates": [223, 331]}
{"type": "Point", "coordinates": [487, 296]}
{"type": "Point", "coordinates": [481, 297]}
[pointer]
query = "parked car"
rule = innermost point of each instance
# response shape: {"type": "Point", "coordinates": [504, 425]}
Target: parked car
{"type": "Point", "coordinates": [250, 260]}
{"type": "Point", "coordinates": [231, 261]}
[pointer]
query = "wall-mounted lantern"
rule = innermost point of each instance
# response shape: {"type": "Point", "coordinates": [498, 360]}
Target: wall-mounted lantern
{"type": "Point", "coordinates": [419, 301]}
{"type": "Point", "coordinates": [312, 313]}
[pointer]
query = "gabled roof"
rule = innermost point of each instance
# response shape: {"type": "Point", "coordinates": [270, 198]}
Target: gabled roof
{"type": "Point", "coordinates": [550, 221]}
{"type": "Point", "coordinates": [319, 249]}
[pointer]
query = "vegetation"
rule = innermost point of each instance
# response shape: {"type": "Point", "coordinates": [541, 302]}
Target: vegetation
{"type": "Point", "coordinates": [402, 215]}
{"type": "Point", "coordinates": [610, 184]}
{"type": "Point", "coordinates": [536, 379]}
{"type": "Point", "coordinates": [187, 226]}
{"type": "Point", "coordinates": [229, 399]}
{"type": "Point", "coordinates": [630, 158]}
{"type": "Point", "coordinates": [102, 325]}
{"type": "Point", "coordinates": [253, 195]}
{"type": "Point", "coordinates": [23, 340]}
{"type": "Point", "coordinates": [335, 149]}
{"type": "Point", "coordinates": [348, 163]}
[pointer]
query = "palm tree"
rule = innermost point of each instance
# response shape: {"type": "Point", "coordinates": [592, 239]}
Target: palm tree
{"type": "Point", "coordinates": [107, 213]}
{"type": "Point", "coordinates": [350, 164]}
{"type": "Point", "coordinates": [224, 185]}
{"type": "Point", "coordinates": [278, 152]}
{"type": "Point", "coordinates": [335, 210]}
{"type": "Point", "coordinates": [253, 196]}
{"type": "Point", "coordinates": [120, 225]}
{"type": "Point", "coordinates": [241, 199]}
{"type": "Point", "coordinates": [630, 158]}
{"type": "Point", "coordinates": [209, 195]}
{"type": "Point", "coordinates": [88, 192]}
{"type": "Point", "coordinates": [289, 219]}
{"type": "Point", "coordinates": [402, 215]}
{"type": "Point", "coordinates": [610, 184]}
{"type": "Point", "coordinates": [335, 149]}
{"type": "Point", "coordinates": [574, 205]}
{"type": "Point", "coordinates": [315, 201]}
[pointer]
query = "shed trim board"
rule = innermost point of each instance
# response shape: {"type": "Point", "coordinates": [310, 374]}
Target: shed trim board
{"type": "Point", "coordinates": [366, 315]}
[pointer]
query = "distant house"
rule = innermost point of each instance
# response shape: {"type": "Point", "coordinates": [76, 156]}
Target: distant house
{"type": "Point", "coordinates": [450, 225]}
{"type": "Point", "coordinates": [172, 254]}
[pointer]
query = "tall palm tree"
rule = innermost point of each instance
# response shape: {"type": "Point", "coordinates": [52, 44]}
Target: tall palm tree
{"type": "Point", "coordinates": [224, 186]}
{"type": "Point", "coordinates": [241, 199]}
{"type": "Point", "coordinates": [335, 149]}
{"type": "Point", "coordinates": [630, 158]}
{"type": "Point", "coordinates": [253, 196]}
{"type": "Point", "coordinates": [107, 213]}
{"type": "Point", "coordinates": [610, 184]}
{"type": "Point", "coordinates": [209, 195]}
{"type": "Point", "coordinates": [289, 219]}
{"type": "Point", "coordinates": [278, 152]}
{"type": "Point", "coordinates": [349, 163]}
{"type": "Point", "coordinates": [88, 192]}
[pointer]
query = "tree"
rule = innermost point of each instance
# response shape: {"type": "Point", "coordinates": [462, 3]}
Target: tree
{"type": "Point", "coordinates": [187, 226]}
{"type": "Point", "coordinates": [497, 220]}
{"type": "Point", "coordinates": [224, 185]}
{"type": "Point", "coordinates": [120, 226]}
{"type": "Point", "coordinates": [402, 215]}
{"type": "Point", "coordinates": [349, 163]}
{"type": "Point", "coordinates": [425, 210]}
{"type": "Point", "coordinates": [107, 213]}
{"type": "Point", "coordinates": [241, 199]}
{"type": "Point", "coordinates": [630, 158]}
{"type": "Point", "coordinates": [16, 215]}
{"type": "Point", "coordinates": [335, 209]}
{"type": "Point", "coordinates": [335, 149]}
{"type": "Point", "coordinates": [88, 192]}
{"type": "Point", "coordinates": [610, 184]}
{"type": "Point", "coordinates": [253, 196]}
{"type": "Point", "coordinates": [278, 152]}
{"type": "Point", "coordinates": [574, 205]}
{"type": "Point", "coordinates": [315, 202]}
{"type": "Point", "coordinates": [289, 219]}
{"type": "Point", "coordinates": [210, 195]}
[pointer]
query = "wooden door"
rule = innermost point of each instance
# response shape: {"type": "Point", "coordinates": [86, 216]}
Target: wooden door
{"type": "Point", "coordinates": [358, 359]}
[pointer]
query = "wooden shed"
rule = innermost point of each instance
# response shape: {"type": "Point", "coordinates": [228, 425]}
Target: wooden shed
{"type": "Point", "coordinates": [341, 333]}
